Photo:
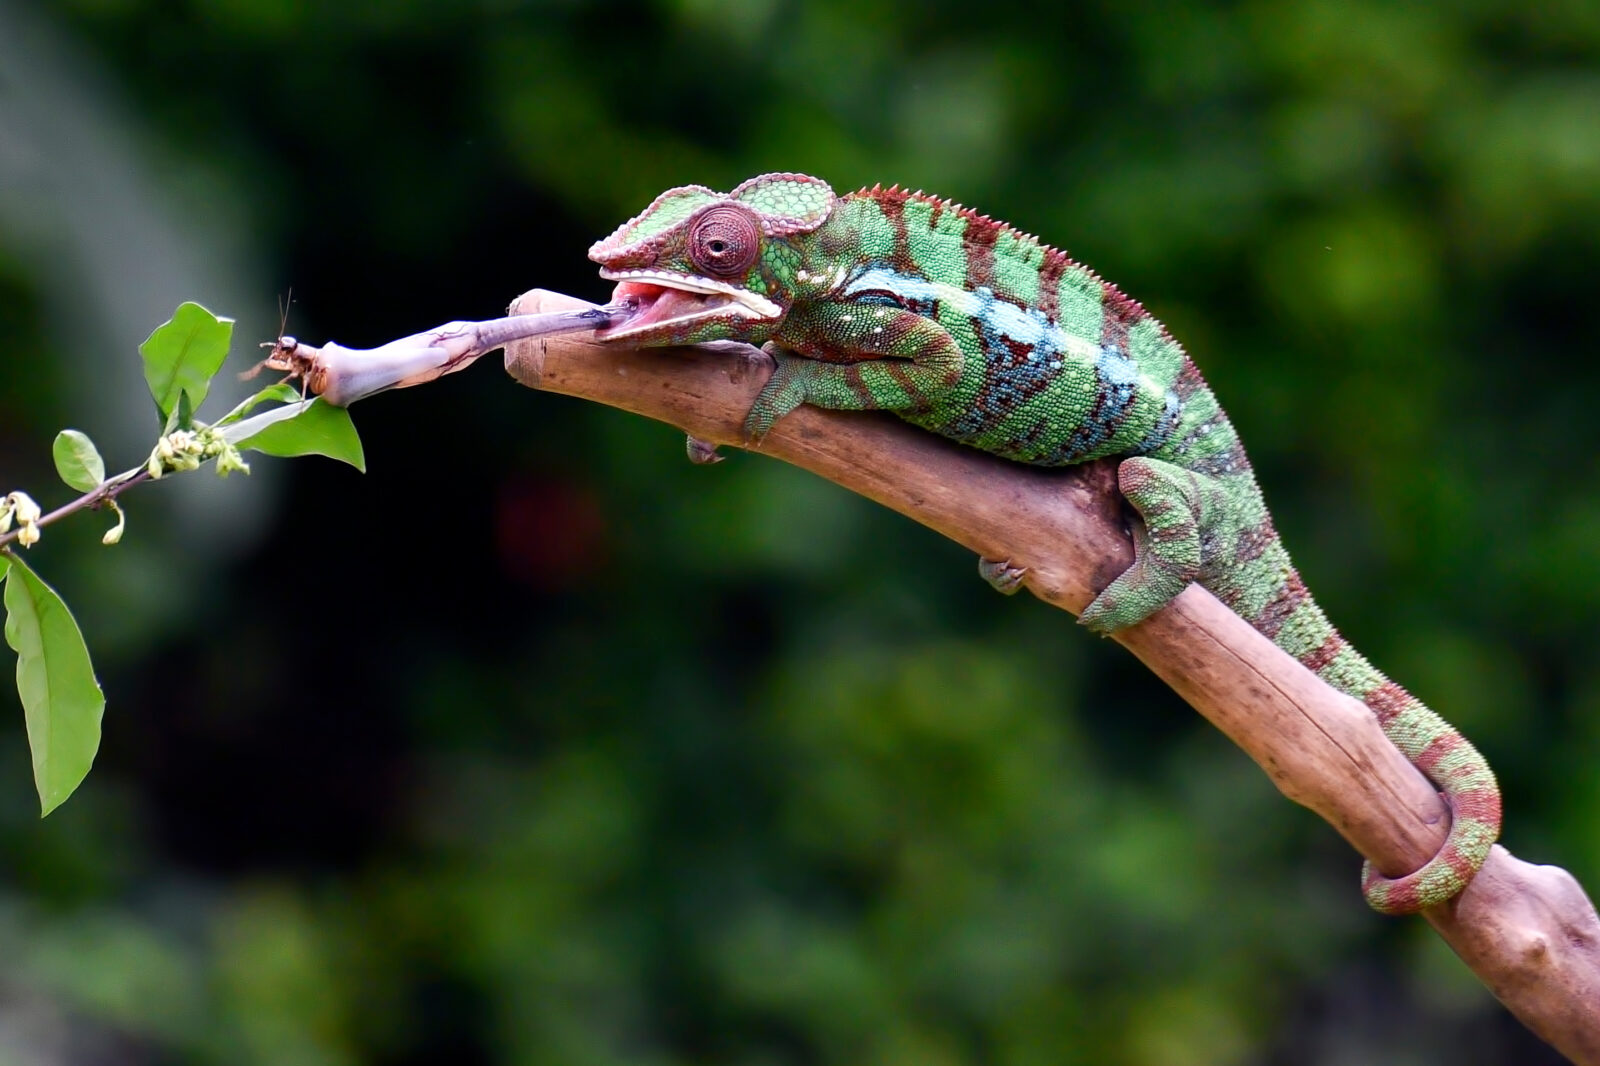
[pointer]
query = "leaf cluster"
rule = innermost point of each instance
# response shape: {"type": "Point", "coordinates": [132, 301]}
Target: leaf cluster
{"type": "Point", "coordinates": [61, 698]}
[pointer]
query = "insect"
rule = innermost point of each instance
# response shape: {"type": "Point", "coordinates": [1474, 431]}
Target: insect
{"type": "Point", "coordinates": [285, 356]}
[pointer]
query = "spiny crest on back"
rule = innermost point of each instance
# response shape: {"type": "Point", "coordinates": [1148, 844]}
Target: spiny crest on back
{"type": "Point", "coordinates": [983, 231]}
{"type": "Point", "coordinates": [783, 203]}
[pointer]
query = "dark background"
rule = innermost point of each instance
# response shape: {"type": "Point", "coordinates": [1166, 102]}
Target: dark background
{"type": "Point", "coordinates": [536, 744]}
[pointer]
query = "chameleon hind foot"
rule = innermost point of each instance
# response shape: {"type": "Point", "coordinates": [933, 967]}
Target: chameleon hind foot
{"type": "Point", "coordinates": [702, 452]}
{"type": "Point", "coordinates": [1001, 575]}
{"type": "Point", "coordinates": [1167, 552]}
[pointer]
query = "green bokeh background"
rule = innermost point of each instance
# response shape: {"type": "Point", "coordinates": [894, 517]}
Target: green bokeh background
{"type": "Point", "coordinates": [538, 745]}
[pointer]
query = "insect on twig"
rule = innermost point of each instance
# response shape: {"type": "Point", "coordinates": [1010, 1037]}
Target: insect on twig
{"type": "Point", "coordinates": [285, 354]}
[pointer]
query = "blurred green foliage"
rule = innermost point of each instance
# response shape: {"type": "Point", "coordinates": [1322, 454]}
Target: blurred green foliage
{"type": "Point", "coordinates": [537, 745]}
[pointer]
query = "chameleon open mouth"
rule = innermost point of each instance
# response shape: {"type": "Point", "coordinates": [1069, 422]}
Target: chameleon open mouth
{"type": "Point", "coordinates": [669, 299]}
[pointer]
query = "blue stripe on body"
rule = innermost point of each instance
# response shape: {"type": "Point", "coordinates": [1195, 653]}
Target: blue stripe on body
{"type": "Point", "coordinates": [1116, 381]}
{"type": "Point", "coordinates": [1011, 381]}
{"type": "Point", "coordinates": [1024, 325]}
{"type": "Point", "coordinates": [1161, 432]}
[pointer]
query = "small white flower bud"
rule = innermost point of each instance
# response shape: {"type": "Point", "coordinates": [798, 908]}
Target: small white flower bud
{"type": "Point", "coordinates": [26, 510]}
{"type": "Point", "coordinates": [229, 461]}
{"type": "Point", "coordinates": [114, 534]}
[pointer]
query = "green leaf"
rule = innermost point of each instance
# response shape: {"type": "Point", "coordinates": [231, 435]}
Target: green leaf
{"type": "Point", "coordinates": [61, 699]}
{"type": "Point", "coordinates": [77, 461]}
{"type": "Point", "coordinates": [182, 416]}
{"type": "Point", "coordinates": [183, 355]}
{"type": "Point", "coordinates": [282, 392]}
{"type": "Point", "coordinates": [320, 429]}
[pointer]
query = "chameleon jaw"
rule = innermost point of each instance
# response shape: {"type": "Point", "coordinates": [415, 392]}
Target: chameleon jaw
{"type": "Point", "coordinates": [675, 301]}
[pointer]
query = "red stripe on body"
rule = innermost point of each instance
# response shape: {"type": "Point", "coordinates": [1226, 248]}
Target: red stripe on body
{"type": "Point", "coordinates": [1290, 595]}
{"type": "Point", "coordinates": [1387, 701]}
{"type": "Point", "coordinates": [981, 235]}
{"type": "Point", "coordinates": [1317, 659]}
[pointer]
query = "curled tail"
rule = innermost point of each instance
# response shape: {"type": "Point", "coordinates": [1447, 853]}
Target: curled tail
{"type": "Point", "coordinates": [1210, 526]}
{"type": "Point", "coordinates": [1297, 625]}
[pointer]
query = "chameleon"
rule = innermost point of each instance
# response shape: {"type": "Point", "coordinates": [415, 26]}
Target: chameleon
{"type": "Point", "coordinates": [886, 299]}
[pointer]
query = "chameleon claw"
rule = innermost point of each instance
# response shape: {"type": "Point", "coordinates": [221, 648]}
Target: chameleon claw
{"type": "Point", "coordinates": [1096, 618]}
{"type": "Point", "coordinates": [771, 404]}
{"type": "Point", "coordinates": [1001, 575]}
{"type": "Point", "coordinates": [702, 452]}
{"type": "Point", "coordinates": [756, 427]}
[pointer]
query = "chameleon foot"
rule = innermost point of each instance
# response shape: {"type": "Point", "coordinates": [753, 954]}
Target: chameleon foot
{"type": "Point", "coordinates": [1167, 545]}
{"type": "Point", "coordinates": [702, 452]}
{"type": "Point", "coordinates": [785, 390]}
{"type": "Point", "coordinates": [999, 573]}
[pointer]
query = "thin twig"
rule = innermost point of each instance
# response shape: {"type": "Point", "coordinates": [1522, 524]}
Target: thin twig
{"type": "Point", "coordinates": [109, 489]}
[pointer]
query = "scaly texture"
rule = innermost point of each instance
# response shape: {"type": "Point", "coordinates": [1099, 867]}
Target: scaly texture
{"type": "Point", "coordinates": [898, 301]}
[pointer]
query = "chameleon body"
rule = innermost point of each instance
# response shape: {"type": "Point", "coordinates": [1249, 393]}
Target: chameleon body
{"type": "Point", "coordinates": [886, 299]}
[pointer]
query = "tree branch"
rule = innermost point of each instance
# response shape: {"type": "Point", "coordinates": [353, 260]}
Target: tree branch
{"type": "Point", "coordinates": [1528, 931]}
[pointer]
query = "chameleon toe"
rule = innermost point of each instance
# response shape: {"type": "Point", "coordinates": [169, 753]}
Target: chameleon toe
{"type": "Point", "coordinates": [702, 452]}
{"type": "Point", "coordinates": [1001, 575]}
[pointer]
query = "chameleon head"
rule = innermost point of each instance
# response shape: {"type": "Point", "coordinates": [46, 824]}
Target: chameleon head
{"type": "Point", "coordinates": [705, 266]}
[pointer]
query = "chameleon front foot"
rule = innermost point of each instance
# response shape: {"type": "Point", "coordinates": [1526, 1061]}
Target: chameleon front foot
{"type": "Point", "coordinates": [1001, 575]}
{"type": "Point", "coordinates": [785, 390]}
{"type": "Point", "coordinates": [702, 452]}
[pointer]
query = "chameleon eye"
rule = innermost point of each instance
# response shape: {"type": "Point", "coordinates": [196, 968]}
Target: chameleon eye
{"type": "Point", "coordinates": [724, 241]}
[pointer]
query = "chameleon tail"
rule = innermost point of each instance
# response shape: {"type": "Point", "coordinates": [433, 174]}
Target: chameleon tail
{"type": "Point", "coordinates": [1214, 528]}
{"type": "Point", "coordinates": [1297, 625]}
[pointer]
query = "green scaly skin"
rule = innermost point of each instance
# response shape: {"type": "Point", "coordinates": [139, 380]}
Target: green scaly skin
{"type": "Point", "coordinates": [898, 301]}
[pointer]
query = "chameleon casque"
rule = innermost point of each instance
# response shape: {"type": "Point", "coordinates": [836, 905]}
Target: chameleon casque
{"type": "Point", "coordinates": [892, 300]}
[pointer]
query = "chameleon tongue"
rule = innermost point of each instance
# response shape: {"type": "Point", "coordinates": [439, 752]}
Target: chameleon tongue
{"type": "Point", "coordinates": [659, 303]}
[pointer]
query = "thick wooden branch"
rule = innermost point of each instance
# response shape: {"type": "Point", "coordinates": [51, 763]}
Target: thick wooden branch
{"type": "Point", "coordinates": [1528, 931]}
